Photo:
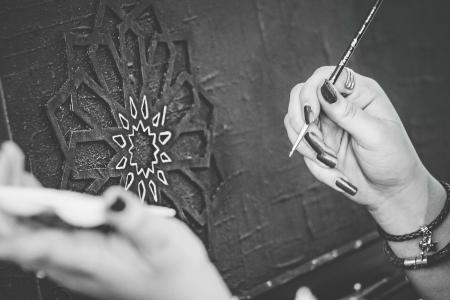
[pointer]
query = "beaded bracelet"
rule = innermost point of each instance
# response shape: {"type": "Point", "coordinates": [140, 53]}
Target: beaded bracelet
{"type": "Point", "coordinates": [424, 229]}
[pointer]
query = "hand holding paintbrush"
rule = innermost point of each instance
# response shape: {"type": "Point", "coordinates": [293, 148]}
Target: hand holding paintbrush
{"type": "Point", "coordinates": [358, 146]}
{"type": "Point", "coordinates": [338, 70]}
{"type": "Point", "coordinates": [355, 142]}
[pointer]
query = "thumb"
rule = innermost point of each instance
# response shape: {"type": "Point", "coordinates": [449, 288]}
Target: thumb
{"type": "Point", "coordinates": [142, 225]}
{"type": "Point", "coordinates": [363, 127]}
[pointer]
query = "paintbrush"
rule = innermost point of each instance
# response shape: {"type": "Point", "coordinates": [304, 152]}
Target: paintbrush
{"type": "Point", "coordinates": [343, 62]}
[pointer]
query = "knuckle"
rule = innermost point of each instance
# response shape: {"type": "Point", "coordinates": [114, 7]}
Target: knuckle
{"type": "Point", "coordinates": [373, 85]}
{"type": "Point", "coordinates": [291, 122]}
{"type": "Point", "coordinates": [295, 124]}
{"type": "Point", "coordinates": [323, 71]}
{"type": "Point", "coordinates": [349, 110]}
{"type": "Point", "coordinates": [112, 192]}
{"type": "Point", "coordinates": [286, 120]}
{"type": "Point", "coordinates": [296, 90]}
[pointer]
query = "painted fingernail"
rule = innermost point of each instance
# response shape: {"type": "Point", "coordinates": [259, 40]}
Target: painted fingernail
{"type": "Point", "coordinates": [308, 113]}
{"type": "Point", "coordinates": [328, 92]}
{"type": "Point", "coordinates": [346, 186]}
{"type": "Point", "coordinates": [327, 159]}
{"type": "Point", "coordinates": [118, 205]}
{"type": "Point", "coordinates": [319, 146]}
{"type": "Point", "coordinates": [311, 141]}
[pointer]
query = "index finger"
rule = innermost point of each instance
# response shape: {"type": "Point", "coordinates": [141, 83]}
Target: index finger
{"type": "Point", "coordinates": [295, 115]}
{"type": "Point", "coordinates": [51, 247]}
{"type": "Point", "coordinates": [304, 106]}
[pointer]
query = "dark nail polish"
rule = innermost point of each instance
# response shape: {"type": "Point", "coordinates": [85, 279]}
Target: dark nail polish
{"type": "Point", "coordinates": [328, 92]}
{"type": "Point", "coordinates": [346, 186]}
{"type": "Point", "coordinates": [316, 147]}
{"type": "Point", "coordinates": [327, 159]}
{"type": "Point", "coordinates": [307, 112]}
{"type": "Point", "coordinates": [319, 146]}
{"type": "Point", "coordinates": [118, 205]}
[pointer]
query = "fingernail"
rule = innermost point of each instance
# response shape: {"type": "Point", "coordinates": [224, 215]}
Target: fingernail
{"type": "Point", "coordinates": [328, 92]}
{"type": "Point", "coordinates": [327, 159]}
{"type": "Point", "coordinates": [308, 114]}
{"type": "Point", "coordinates": [318, 145]}
{"type": "Point", "coordinates": [346, 186]}
{"type": "Point", "coordinates": [313, 143]}
{"type": "Point", "coordinates": [118, 205]}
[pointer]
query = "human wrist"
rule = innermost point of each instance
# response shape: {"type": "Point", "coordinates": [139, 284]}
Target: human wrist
{"type": "Point", "coordinates": [436, 219]}
{"type": "Point", "coordinates": [414, 206]}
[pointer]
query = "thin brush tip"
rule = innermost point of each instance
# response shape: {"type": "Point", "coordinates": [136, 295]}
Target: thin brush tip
{"type": "Point", "coordinates": [299, 139]}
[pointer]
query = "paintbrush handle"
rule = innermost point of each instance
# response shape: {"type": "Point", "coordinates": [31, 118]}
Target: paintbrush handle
{"type": "Point", "coordinates": [351, 48]}
{"type": "Point", "coordinates": [344, 60]}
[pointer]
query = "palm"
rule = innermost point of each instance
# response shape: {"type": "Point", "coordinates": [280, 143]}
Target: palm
{"type": "Point", "coordinates": [373, 164]}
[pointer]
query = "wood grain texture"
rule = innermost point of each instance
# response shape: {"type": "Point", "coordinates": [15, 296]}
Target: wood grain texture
{"type": "Point", "coordinates": [267, 216]}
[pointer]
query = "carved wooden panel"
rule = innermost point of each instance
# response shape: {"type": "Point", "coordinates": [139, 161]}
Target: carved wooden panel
{"type": "Point", "coordinates": [183, 102]}
{"type": "Point", "coordinates": [132, 113]}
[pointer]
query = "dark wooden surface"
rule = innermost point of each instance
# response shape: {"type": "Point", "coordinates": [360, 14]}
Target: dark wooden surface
{"type": "Point", "coordinates": [366, 267]}
{"type": "Point", "coordinates": [265, 217]}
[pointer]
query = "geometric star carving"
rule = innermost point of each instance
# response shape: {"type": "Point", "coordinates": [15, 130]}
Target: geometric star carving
{"type": "Point", "coordinates": [132, 112]}
{"type": "Point", "coordinates": [143, 170]}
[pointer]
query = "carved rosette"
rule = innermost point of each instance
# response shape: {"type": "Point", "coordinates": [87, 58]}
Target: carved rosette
{"type": "Point", "coordinates": [132, 113]}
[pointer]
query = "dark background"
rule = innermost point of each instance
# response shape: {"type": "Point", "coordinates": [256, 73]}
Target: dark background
{"type": "Point", "coordinates": [270, 218]}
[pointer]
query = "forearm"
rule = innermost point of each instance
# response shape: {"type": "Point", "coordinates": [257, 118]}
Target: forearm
{"type": "Point", "coordinates": [377, 166]}
{"type": "Point", "coordinates": [432, 283]}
